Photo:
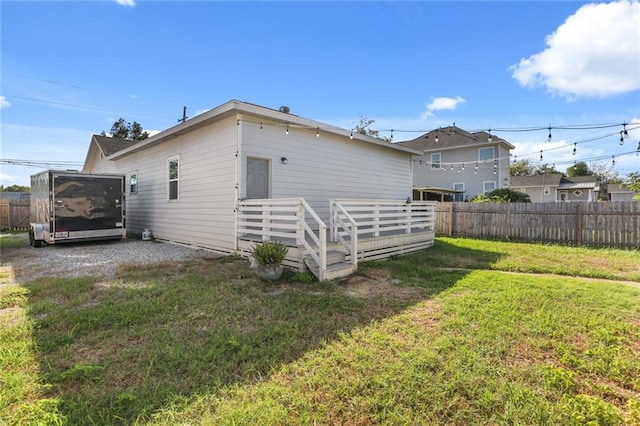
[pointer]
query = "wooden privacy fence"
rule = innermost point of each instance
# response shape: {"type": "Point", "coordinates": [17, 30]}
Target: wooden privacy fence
{"type": "Point", "coordinates": [612, 224]}
{"type": "Point", "coordinates": [14, 214]}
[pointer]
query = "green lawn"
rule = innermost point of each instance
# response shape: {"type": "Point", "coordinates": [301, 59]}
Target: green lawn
{"type": "Point", "coordinates": [468, 332]}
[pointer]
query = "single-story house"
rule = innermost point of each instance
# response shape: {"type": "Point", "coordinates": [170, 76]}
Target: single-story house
{"type": "Point", "coordinates": [242, 173]}
{"type": "Point", "coordinates": [618, 193]}
{"type": "Point", "coordinates": [557, 187]}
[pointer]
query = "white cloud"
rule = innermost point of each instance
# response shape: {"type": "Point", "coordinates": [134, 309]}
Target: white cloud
{"type": "Point", "coordinates": [441, 103]}
{"type": "Point", "coordinates": [4, 103]}
{"type": "Point", "coordinates": [594, 53]}
{"type": "Point", "coordinates": [130, 3]}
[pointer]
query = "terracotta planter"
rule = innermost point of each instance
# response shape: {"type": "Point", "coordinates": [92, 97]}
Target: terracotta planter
{"type": "Point", "coordinates": [268, 272]}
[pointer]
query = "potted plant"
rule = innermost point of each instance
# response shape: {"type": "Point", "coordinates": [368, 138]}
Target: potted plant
{"type": "Point", "coordinates": [267, 259]}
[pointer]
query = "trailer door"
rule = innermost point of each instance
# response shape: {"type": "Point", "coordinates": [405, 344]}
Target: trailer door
{"type": "Point", "coordinates": [86, 203]}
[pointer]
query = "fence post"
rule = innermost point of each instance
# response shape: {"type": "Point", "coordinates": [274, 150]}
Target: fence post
{"type": "Point", "coordinates": [451, 219]}
{"type": "Point", "coordinates": [579, 224]}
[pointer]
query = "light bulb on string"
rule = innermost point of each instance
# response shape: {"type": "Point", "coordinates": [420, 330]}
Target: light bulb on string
{"type": "Point", "coordinates": [574, 148]}
{"type": "Point", "coordinates": [391, 134]}
{"type": "Point", "coordinates": [287, 131]}
{"type": "Point", "coordinates": [318, 132]}
{"type": "Point", "coordinates": [458, 169]}
{"type": "Point", "coordinates": [549, 137]}
{"type": "Point", "coordinates": [621, 138]}
{"type": "Point", "coordinates": [437, 140]}
{"type": "Point", "coordinates": [624, 130]}
{"type": "Point", "coordinates": [540, 155]}
{"type": "Point", "coordinates": [476, 169]}
{"type": "Point", "coordinates": [489, 139]}
{"type": "Point", "coordinates": [351, 137]}
{"type": "Point", "coordinates": [451, 166]}
{"type": "Point", "coordinates": [260, 125]}
{"type": "Point", "coordinates": [613, 160]}
{"type": "Point", "coordinates": [462, 166]}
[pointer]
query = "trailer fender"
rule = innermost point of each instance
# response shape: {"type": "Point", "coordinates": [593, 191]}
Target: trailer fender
{"type": "Point", "coordinates": [36, 234]}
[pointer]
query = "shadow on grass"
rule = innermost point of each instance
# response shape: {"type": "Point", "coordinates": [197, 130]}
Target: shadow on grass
{"type": "Point", "coordinates": [114, 352]}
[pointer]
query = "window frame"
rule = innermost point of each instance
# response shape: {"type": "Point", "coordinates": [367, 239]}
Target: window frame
{"type": "Point", "coordinates": [130, 186]}
{"type": "Point", "coordinates": [461, 196]}
{"type": "Point", "coordinates": [436, 164]}
{"type": "Point", "coordinates": [493, 153]}
{"type": "Point", "coordinates": [484, 186]}
{"type": "Point", "coordinates": [171, 180]}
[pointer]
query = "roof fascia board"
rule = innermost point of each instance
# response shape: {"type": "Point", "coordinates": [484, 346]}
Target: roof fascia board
{"type": "Point", "coordinates": [229, 108]}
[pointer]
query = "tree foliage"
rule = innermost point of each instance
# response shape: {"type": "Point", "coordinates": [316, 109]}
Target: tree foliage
{"type": "Point", "coordinates": [579, 169]}
{"type": "Point", "coordinates": [632, 183]}
{"type": "Point", "coordinates": [503, 195]}
{"type": "Point", "coordinates": [363, 127]}
{"type": "Point", "coordinates": [14, 188]}
{"type": "Point", "coordinates": [124, 130]}
{"type": "Point", "coordinates": [522, 168]}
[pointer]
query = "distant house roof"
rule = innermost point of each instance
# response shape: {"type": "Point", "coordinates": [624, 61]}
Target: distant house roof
{"type": "Point", "coordinates": [453, 137]}
{"type": "Point", "coordinates": [536, 180]}
{"type": "Point", "coordinates": [556, 179]}
{"type": "Point", "coordinates": [580, 182]}
{"type": "Point", "coordinates": [615, 188]}
{"type": "Point", "coordinates": [109, 145]}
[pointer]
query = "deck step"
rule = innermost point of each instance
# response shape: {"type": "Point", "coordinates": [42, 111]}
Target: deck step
{"type": "Point", "coordinates": [336, 270]}
{"type": "Point", "coordinates": [336, 265]}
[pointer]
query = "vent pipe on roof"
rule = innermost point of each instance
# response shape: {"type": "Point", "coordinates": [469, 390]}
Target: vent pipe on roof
{"type": "Point", "coordinates": [284, 109]}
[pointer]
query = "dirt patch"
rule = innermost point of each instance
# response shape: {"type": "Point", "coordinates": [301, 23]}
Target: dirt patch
{"type": "Point", "coordinates": [374, 285]}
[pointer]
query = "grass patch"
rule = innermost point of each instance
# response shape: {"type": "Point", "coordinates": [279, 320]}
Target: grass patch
{"type": "Point", "coordinates": [405, 341]}
{"type": "Point", "coordinates": [9, 239]}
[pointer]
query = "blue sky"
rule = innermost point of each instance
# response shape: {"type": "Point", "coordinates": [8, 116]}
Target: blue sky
{"type": "Point", "coordinates": [70, 69]}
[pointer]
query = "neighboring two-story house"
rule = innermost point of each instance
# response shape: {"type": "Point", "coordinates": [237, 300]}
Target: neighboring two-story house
{"type": "Point", "coordinates": [458, 165]}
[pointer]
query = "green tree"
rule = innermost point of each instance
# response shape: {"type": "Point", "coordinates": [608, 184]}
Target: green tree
{"type": "Point", "coordinates": [503, 195]}
{"type": "Point", "coordinates": [545, 169]}
{"type": "Point", "coordinates": [522, 168]}
{"type": "Point", "coordinates": [579, 169]}
{"type": "Point", "coordinates": [14, 188]}
{"type": "Point", "coordinates": [363, 127]}
{"type": "Point", "coordinates": [632, 183]}
{"type": "Point", "coordinates": [124, 130]}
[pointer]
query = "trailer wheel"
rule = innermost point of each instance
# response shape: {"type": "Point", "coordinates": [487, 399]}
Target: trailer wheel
{"type": "Point", "coordinates": [32, 239]}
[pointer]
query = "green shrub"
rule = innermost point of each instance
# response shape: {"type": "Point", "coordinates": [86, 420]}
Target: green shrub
{"type": "Point", "coordinates": [588, 410]}
{"type": "Point", "coordinates": [504, 195]}
{"type": "Point", "coordinates": [269, 253]}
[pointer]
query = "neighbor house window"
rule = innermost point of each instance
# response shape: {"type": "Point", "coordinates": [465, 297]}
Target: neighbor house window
{"type": "Point", "coordinates": [173, 170]}
{"type": "Point", "coordinates": [577, 193]}
{"type": "Point", "coordinates": [458, 187]}
{"type": "Point", "coordinates": [489, 186]}
{"type": "Point", "coordinates": [133, 183]}
{"type": "Point", "coordinates": [435, 160]}
{"type": "Point", "coordinates": [485, 153]}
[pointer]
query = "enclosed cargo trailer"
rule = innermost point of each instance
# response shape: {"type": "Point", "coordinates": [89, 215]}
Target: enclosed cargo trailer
{"type": "Point", "coordinates": [69, 206]}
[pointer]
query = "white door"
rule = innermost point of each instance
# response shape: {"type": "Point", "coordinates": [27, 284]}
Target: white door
{"type": "Point", "coordinates": [258, 181]}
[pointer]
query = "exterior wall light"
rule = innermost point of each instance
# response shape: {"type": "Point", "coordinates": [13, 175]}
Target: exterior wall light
{"type": "Point", "coordinates": [284, 161]}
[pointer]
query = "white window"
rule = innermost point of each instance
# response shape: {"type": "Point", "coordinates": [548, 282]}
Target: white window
{"type": "Point", "coordinates": [173, 173]}
{"type": "Point", "coordinates": [488, 186]}
{"type": "Point", "coordinates": [435, 160]}
{"type": "Point", "coordinates": [458, 187]}
{"type": "Point", "coordinates": [133, 182]}
{"type": "Point", "coordinates": [485, 153]}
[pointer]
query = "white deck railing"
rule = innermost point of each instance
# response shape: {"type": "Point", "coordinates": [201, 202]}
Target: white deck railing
{"type": "Point", "coordinates": [375, 218]}
{"type": "Point", "coordinates": [343, 225]}
{"type": "Point", "coordinates": [284, 220]}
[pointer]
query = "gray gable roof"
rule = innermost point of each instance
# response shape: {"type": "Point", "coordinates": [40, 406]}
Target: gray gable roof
{"type": "Point", "coordinates": [109, 145]}
{"type": "Point", "coordinates": [453, 137]}
{"type": "Point", "coordinates": [536, 180]}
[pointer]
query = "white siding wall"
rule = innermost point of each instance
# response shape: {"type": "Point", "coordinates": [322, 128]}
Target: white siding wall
{"type": "Point", "coordinates": [325, 167]}
{"type": "Point", "coordinates": [204, 214]}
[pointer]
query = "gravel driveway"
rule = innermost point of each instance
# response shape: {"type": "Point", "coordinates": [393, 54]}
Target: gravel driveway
{"type": "Point", "coordinates": [98, 258]}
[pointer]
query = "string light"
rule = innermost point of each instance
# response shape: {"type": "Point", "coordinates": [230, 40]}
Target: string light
{"type": "Point", "coordinates": [437, 140]}
{"type": "Point", "coordinates": [489, 139]}
{"type": "Point", "coordinates": [574, 148]}
{"type": "Point", "coordinates": [351, 135]}
{"type": "Point", "coordinates": [476, 170]}
{"type": "Point", "coordinates": [287, 131]}
{"type": "Point", "coordinates": [621, 138]}
{"type": "Point", "coordinates": [540, 155]}
{"type": "Point", "coordinates": [549, 137]}
{"type": "Point", "coordinates": [318, 132]}
{"type": "Point", "coordinates": [463, 166]}
{"type": "Point", "coordinates": [391, 134]}
{"type": "Point", "coordinates": [613, 160]}
{"type": "Point", "coordinates": [261, 125]}
{"type": "Point", "coordinates": [624, 130]}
